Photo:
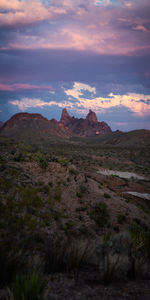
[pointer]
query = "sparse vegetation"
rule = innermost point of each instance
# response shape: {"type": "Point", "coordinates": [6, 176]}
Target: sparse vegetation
{"type": "Point", "coordinates": [42, 160]}
{"type": "Point", "coordinates": [57, 193]}
{"type": "Point", "coordinates": [140, 236]}
{"type": "Point", "coordinates": [100, 214]}
{"type": "Point", "coordinates": [28, 287]}
{"type": "Point", "coordinates": [121, 219]}
{"type": "Point", "coordinates": [107, 196]}
{"type": "Point", "coordinates": [60, 211]}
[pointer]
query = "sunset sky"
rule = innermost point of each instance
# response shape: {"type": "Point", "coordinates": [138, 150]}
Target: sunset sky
{"type": "Point", "coordinates": [78, 54]}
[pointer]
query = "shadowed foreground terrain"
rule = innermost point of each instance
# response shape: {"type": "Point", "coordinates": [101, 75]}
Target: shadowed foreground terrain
{"type": "Point", "coordinates": [68, 230]}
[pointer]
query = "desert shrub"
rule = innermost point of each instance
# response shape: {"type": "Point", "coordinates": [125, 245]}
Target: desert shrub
{"type": "Point", "coordinates": [19, 155]}
{"type": "Point", "coordinates": [57, 193]}
{"type": "Point", "coordinates": [42, 160]}
{"type": "Point", "coordinates": [106, 195]}
{"type": "Point", "coordinates": [60, 214]}
{"type": "Point", "coordinates": [50, 183]}
{"type": "Point", "coordinates": [79, 195]}
{"type": "Point", "coordinates": [63, 162]}
{"type": "Point", "coordinates": [121, 219]}
{"type": "Point", "coordinates": [30, 222]}
{"type": "Point", "coordinates": [114, 257]}
{"type": "Point", "coordinates": [82, 191]}
{"type": "Point", "coordinates": [5, 184]}
{"type": "Point", "coordinates": [82, 188]}
{"type": "Point", "coordinates": [30, 197]}
{"type": "Point", "coordinates": [46, 189]}
{"type": "Point", "coordinates": [8, 267]}
{"type": "Point", "coordinates": [83, 229]}
{"type": "Point", "coordinates": [69, 226]}
{"type": "Point", "coordinates": [73, 171]}
{"type": "Point", "coordinates": [100, 214]}
{"type": "Point", "coordinates": [28, 287]}
{"type": "Point", "coordinates": [116, 228]}
{"type": "Point", "coordinates": [66, 255]}
{"type": "Point", "coordinates": [140, 236]}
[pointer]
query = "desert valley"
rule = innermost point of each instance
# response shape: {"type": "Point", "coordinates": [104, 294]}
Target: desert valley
{"type": "Point", "coordinates": [74, 208]}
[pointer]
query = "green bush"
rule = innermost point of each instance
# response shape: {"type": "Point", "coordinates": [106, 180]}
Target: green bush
{"type": "Point", "coordinates": [106, 195]}
{"type": "Point", "coordinates": [100, 214]}
{"type": "Point", "coordinates": [121, 219]}
{"type": "Point", "coordinates": [63, 162]}
{"type": "Point", "coordinates": [83, 189]}
{"type": "Point", "coordinates": [42, 160]}
{"type": "Point", "coordinates": [66, 254]}
{"type": "Point", "coordinates": [50, 184]}
{"type": "Point", "coordinates": [83, 229]}
{"type": "Point", "coordinates": [28, 287]}
{"type": "Point", "coordinates": [79, 195]}
{"type": "Point", "coordinates": [30, 197]}
{"type": "Point", "coordinates": [57, 193]}
{"type": "Point", "coordinates": [140, 236]}
{"type": "Point", "coordinates": [8, 266]}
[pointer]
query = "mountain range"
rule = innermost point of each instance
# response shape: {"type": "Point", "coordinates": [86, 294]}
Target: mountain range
{"type": "Point", "coordinates": [67, 126]}
{"type": "Point", "coordinates": [34, 128]}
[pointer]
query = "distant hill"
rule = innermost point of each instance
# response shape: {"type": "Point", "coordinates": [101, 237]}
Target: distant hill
{"type": "Point", "coordinates": [33, 126]}
{"type": "Point", "coordinates": [1, 124]}
{"type": "Point", "coordinates": [136, 138]}
{"type": "Point", "coordinates": [84, 127]}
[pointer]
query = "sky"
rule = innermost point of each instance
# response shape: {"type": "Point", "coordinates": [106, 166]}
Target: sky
{"type": "Point", "coordinates": [79, 55]}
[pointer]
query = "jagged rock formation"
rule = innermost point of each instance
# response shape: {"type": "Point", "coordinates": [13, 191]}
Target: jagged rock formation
{"type": "Point", "coordinates": [84, 127]}
{"type": "Point", "coordinates": [91, 117]}
{"type": "Point", "coordinates": [65, 118]}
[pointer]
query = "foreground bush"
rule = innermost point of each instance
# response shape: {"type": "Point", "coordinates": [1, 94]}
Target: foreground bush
{"type": "Point", "coordinates": [8, 267]}
{"type": "Point", "coordinates": [66, 255]}
{"type": "Point", "coordinates": [28, 287]}
{"type": "Point", "coordinates": [100, 214]}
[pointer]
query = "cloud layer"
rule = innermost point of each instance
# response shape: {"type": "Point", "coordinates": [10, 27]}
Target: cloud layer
{"type": "Point", "coordinates": [23, 86]}
{"type": "Point", "coordinates": [104, 27]}
{"type": "Point", "coordinates": [139, 104]}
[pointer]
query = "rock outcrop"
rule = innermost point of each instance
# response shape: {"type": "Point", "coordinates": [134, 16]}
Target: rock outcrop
{"type": "Point", "coordinates": [84, 127]}
{"type": "Point", "coordinates": [65, 118]}
{"type": "Point", "coordinates": [91, 117]}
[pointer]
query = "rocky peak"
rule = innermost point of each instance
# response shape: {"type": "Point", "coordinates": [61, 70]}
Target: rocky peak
{"type": "Point", "coordinates": [65, 117]}
{"type": "Point", "coordinates": [92, 117]}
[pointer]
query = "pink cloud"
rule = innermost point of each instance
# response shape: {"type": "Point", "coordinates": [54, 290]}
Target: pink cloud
{"type": "Point", "coordinates": [103, 29]}
{"type": "Point", "coordinates": [27, 12]}
{"type": "Point", "coordinates": [23, 86]}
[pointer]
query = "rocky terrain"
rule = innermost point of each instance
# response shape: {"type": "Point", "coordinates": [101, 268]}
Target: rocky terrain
{"type": "Point", "coordinates": [71, 212]}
